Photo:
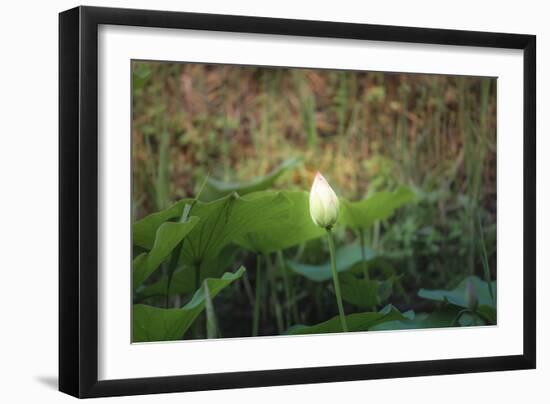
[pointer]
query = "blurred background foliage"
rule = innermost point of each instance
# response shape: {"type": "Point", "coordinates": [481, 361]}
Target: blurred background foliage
{"type": "Point", "coordinates": [365, 131]}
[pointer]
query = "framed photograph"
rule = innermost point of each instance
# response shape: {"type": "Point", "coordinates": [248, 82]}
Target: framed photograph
{"type": "Point", "coordinates": [251, 201]}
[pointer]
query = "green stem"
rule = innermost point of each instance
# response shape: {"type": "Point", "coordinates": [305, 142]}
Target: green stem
{"type": "Point", "coordinates": [375, 235]}
{"type": "Point", "coordinates": [332, 250]}
{"type": "Point", "coordinates": [212, 328]}
{"type": "Point", "coordinates": [257, 304]}
{"type": "Point", "coordinates": [485, 260]}
{"type": "Point", "coordinates": [363, 258]}
{"type": "Point", "coordinates": [197, 276]}
{"type": "Point", "coordinates": [274, 298]}
{"type": "Point", "coordinates": [196, 325]}
{"type": "Point", "coordinates": [171, 269]}
{"type": "Point", "coordinates": [286, 285]}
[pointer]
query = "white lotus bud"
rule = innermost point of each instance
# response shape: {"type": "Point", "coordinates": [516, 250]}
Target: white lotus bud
{"type": "Point", "coordinates": [470, 294]}
{"type": "Point", "coordinates": [323, 203]}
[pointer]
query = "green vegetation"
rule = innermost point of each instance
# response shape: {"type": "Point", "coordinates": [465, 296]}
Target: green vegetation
{"type": "Point", "coordinates": [223, 241]}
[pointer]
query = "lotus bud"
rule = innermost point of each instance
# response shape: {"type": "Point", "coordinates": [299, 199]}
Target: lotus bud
{"type": "Point", "coordinates": [470, 294]}
{"type": "Point", "coordinates": [323, 203]}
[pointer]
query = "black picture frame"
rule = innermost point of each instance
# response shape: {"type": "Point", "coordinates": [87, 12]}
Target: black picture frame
{"type": "Point", "coordinates": [78, 201]}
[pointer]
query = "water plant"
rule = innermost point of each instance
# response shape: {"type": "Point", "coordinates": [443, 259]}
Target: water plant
{"type": "Point", "coordinates": [324, 209]}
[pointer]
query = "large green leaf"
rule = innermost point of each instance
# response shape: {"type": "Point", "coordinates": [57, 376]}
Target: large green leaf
{"type": "Point", "coordinates": [221, 221]}
{"type": "Point", "coordinates": [439, 318]}
{"type": "Point", "coordinates": [228, 218]}
{"type": "Point", "coordinates": [217, 188]}
{"type": "Point", "coordinates": [365, 293]}
{"type": "Point", "coordinates": [489, 313]}
{"type": "Point", "coordinates": [295, 229]}
{"type": "Point", "coordinates": [457, 295]}
{"type": "Point", "coordinates": [144, 231]}
{"type": "Point", "coordinates": [183, 280]}
{"type": "Point", "coordinates": [156, 324]}
{"type": "Point", "coordinates": [346, 257]}
{"type": "Point", "coordinates": [168, 235]}
{"type": "Point", "coordinates": [486, 306]}
{"type": "Point", "coordinates": [356, 322]}
{"type": "Point", "coordinates": [379, 206]}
